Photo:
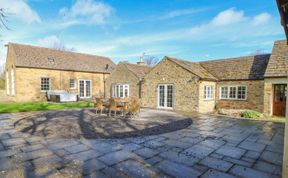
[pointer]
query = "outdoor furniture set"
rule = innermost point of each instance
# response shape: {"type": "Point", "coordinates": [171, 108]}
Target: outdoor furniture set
{"type": "Point", "coordinates": [124, 106]}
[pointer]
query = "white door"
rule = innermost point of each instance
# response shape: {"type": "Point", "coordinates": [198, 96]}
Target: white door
{"type": "Point", "coordinates": [85, 88]}
{"type": "Point", "coordinates": [165, 96]}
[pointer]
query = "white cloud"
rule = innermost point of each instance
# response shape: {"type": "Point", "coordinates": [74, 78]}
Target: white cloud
{"type": "Point", "coordinates": [228, 16]}
{"type": "Point", "coordinates": [19, 9]}
{"type": "Point", "coordinates": [180, 12]}
{"type": "Point", "coordinates": [261, 19]}
{"type": "Point", "coordinates": [49, 41]}
{"type": "Point", "coordinates": [87, 11]}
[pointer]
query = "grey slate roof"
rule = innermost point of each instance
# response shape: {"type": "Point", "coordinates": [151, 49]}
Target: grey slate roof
{"type": "Point", "coordinates": [139, 70]}
{"type": "Point", "coordinates": [39, 57]}
{"type": "Point", "coordinates": [278, 64]}
{"type": "Point", "coordinates": [242, 68]}
{"type": "Point", "coordinates": [193, 67]}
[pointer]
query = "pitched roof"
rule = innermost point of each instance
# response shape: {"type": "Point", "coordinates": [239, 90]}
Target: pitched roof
{"type": "Point", "coordinates": [39, 57]}
{"type": "Point", "coordinates": [139, 70]}
{"type": "Point", "coordinates": [242, 68]}
{"type": "Point", "coordinates": [278, 63]}
{"type": "Point", "coordinates": [193, 67]}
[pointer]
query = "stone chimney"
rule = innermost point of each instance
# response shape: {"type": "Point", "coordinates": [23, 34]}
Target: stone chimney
{"type": "Point", "coordinates": [141, 62]}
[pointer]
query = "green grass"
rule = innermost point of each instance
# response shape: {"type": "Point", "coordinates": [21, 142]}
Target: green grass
{"type": "Point", "coordinates": [40, 106]}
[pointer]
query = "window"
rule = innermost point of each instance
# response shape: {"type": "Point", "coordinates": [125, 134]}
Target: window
{"type": "Point", "coordinates": [166, 96]}
{"type": "Point", "coordinates": [85, 88]}
{"type": "Point", "coordinates": [120, 90]}
{"type": "Point", "coordinates": [208, 92]}
{"type": "Point", "coordinates": [72, 84]}
{"type": "Point", "coordinates": [45, 84]}
{"type": "Point", "coordinates": [233, 92]}
{"type": "Point", "coordinates": [12, 82]}
{"type": "Point", "coordinates": [7, 83]}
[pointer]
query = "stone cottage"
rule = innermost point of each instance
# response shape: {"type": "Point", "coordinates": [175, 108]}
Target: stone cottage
{"type": "Point", "coordinates": [126, 80]}
{"type": "Point", "coordinates": [254, 82]}
{"type": "Point", "coordinates": [31, 71]}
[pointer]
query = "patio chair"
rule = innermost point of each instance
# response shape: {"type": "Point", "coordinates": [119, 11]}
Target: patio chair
{"type": "Point", "coordinates": [99, 105]}
{"type": "Point", "coordinates": [114, 107]}
{"type": "Point", "coordinates": [135, 106]}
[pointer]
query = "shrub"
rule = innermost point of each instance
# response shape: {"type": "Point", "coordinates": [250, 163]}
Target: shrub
{"type": "Point", "coordinates": [250, 114]}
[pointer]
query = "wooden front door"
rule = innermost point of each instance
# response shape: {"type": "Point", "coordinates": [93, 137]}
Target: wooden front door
{"type": "Point", "coordinates": [279, 100]}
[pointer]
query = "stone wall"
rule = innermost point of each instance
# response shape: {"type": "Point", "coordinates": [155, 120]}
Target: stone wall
{"type": "Point", "coordinates": [122, 75]}
{"type": "Point", "coordinates": [206, 105]}
{"type": "Point", "coordinates": [255, 96]}
{"type": "Point", "coordinates": [27, 83]}
{"type": "Point", "coordinates": [186, 86]}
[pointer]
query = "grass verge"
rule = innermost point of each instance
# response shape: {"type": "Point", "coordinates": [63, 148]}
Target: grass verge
{"type": "Point", "coordinates": [40, 106]}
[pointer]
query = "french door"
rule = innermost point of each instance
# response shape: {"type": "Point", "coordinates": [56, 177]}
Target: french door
{"type": "Point", "coordinates": [85, 88]}
{"type": "Point", "coordinates": [165, 96]}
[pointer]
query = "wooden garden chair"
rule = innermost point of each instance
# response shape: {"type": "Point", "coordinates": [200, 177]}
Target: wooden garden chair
{"type": "Point", "coordinates": [99, 105]}
{"type": "Point", "coordinates": [114, 107]}
{"type": "Point", "coordinates": [135, 106]}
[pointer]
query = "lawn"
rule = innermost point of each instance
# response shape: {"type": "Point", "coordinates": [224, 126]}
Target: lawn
{"type": "Point", "coordinates": [39, 106]}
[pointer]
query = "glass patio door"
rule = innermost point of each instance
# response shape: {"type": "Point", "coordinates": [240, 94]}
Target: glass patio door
{"type": "Point", "coordinates": [85, 89]}
{"type": "Point", "coordinates": [165, 96]}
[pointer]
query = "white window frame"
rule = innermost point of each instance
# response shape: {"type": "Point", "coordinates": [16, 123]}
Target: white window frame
{"type": "Point", "coordinates": [85, 94]}
{"type": "Point", "coordinates": [208, 94]}
{"type": "Point", "coordinates": [12, 82]}
{"type": "Point", "coordinates": [228, 92]}
{"type": "Point", "coordinates": [7, 83]}
{"type": "Point", "coordinates": [41, 84]}
{"type": "Point", "coordinates": [116, 90]}
{"type": "Point", "coordinates": [74, 83]}
{"type": "Point", "coordinates": [165, 96]}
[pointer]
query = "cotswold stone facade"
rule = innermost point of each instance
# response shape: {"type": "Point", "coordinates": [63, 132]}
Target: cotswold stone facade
{"type": "Point", "coordinates": [186, 86]}
{"type": "Point", "coordinates": [26, 65]}
{"type": "Point", "coordinates": [130, 74]}
{"type": "Point", "coordinates": [254, 98]}
{"type": "Point", "coordinates": [28, 83]}
{"type": "Point", "coordinates": [263, 79]}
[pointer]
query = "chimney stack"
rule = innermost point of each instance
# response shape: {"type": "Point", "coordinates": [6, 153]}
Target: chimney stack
{"type": "Point", "coordinates": [141, 62]}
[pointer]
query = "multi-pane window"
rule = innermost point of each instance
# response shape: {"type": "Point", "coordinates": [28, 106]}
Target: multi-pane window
{"type": "Point", "coordinates": [120, 90]}
{"type": "Point", "coordinates": [72, 84]}
{"type": "Point", "coordinates": [45, 84]}
{"type": "Point", "coordinates": [233, 92]}
{"type": "Point", "coordinates": [165, 96]}
{"type": "Point", "coordinates": [7, 83]}
{"type": "Point", "coordinates": [224, 92]}
{"type": "Point", "coordinates": [85, 88]}
{"type": "Point", "coordinates": [208, 92]}
{"type": "Point", "coordinates": [12, 82]}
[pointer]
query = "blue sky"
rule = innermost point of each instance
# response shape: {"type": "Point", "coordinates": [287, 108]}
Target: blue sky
{"type": "Point", "coordinates": [123, 29]}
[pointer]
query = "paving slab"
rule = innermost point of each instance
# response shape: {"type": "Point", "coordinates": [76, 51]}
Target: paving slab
{"type": "Point", "coordinates": [198, 151]}
{"type": "Point", "coordinates": [136, 169]}
{"type": "Point", "coordinates": [92, 165]}
{"type": "Point", "coordinates": [180, 158]}
{"type": "Point", "coordinates": [252, 146]}
{"type": "Point", "coordinates": [230, 151]}
{"type": "Point", "coordinates": [272, 157]}
{"type": "Point", "coordinates": [248, 172]}
{"type": "Point", "coordinates": [146, 153]}
{"type": "Point", "coordinates": [211, 173]}
{"type": "Point", "coordinates": [216, 164]}
{"type": "Point", "coordinates": [177, 170]}
{"type": "Point", "coordinates": [116, 157]}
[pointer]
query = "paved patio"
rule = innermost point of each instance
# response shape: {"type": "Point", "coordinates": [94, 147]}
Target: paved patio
{"type": "Point", "coordinates": [210, 147]}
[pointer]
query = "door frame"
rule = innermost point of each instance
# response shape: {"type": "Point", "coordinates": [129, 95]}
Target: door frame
{"type": "Point", "coordinates": [165, 96]}
{"type": "Point", "coordinates": [273, 98]}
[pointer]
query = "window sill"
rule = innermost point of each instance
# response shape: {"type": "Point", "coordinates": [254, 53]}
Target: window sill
{"type": "Point", "coordinates": [233, 99]}
{"type": "Point", "coordinates": [209, 99]}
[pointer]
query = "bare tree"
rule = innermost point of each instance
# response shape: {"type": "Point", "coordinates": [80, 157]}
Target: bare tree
{"type": "Point", "coordinates": [258, 52]}
{"type": "Point", "coordinates": [150, 60]}
{"type": "Point", "coordinates": [3, 19]}
{"type": "Point", "coordinates": [62, 47]}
